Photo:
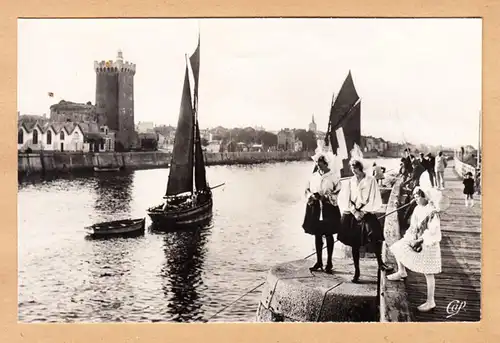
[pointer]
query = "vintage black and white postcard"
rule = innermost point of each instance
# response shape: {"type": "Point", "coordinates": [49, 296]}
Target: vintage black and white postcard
{"type": "Point", "coordinates": [249, 170]}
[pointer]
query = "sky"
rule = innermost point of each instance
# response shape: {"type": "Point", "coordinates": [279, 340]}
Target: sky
{"type": "Point", "coordinates": [419, 79]}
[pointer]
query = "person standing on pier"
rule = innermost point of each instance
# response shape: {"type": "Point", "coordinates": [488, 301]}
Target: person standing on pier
{"type": "Point", "coordinates": [417, 170]}
{"type": "Point", "coordinates": [378, 173]}
{"type": "Point", "coordinates": [322, 217]}
{"type": "Point", "coordinates": [431, 165]}
{"type": "Point", "coordinates": [407, 162]}
{"type": "Point", "coordinates": [469, 190]}
{"type": "Point", "coordinates": [419, 249]}
{"type": "Point", "coordinates": [478, 181]}
{"type": "Point", "coordinates": [440, 166]}
{"type": "Point", "coordinates": [359, 224]}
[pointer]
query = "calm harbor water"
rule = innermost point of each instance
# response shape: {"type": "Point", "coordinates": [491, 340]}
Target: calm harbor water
{"type": "Point", "coordinates": [179, 276]}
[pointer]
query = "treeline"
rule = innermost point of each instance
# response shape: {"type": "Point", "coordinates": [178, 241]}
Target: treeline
{"type": "Point", "coordinates": [247, 135]}
{"type": "Point", "coordinates": [250, 136]}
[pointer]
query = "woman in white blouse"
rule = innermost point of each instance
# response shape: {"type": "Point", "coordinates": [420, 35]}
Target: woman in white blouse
{"type": "Point", "coordinates": [359, 224]}
{"type": "Point", "coordinates": [419, 248]}
{"type": "Point", "coordinates": [322, 216]}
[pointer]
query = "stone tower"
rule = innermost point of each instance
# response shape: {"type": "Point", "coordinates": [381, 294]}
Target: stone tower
{"type": "Point", "coordinates": [115, 99]}
{"type": "Point", "coordinates": [312, 125]}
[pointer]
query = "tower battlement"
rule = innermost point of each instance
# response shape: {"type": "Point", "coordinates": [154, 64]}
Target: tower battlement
{"type": "Point", "coordinates": [114, 66]}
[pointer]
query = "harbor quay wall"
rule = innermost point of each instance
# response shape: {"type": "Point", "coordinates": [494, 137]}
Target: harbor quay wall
{"type": "Point", "coordinates": [29, 163]}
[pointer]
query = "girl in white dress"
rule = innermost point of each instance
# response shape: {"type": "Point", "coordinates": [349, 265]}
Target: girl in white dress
{"type": "Point", "coordinates": [419, 249]}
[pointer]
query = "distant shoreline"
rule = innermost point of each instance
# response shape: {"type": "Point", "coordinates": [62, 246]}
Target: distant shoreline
{"type": "Point", "coordinates": [69, 162]}
{"type": "Point", "coordinates": [56, 163]}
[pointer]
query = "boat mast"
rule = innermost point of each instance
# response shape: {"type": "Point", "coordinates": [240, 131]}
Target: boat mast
{"type": "Point", "coordinates": [479, 157]}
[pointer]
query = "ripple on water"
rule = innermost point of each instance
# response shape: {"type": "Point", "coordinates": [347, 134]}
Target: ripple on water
{"type": "Point", "coordinates": [184, 276]}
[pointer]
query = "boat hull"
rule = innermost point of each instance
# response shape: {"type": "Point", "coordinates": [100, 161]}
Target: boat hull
{"type": "Point", "coordinates": [118, 228]}
{"type": "Point", "coordinates": [105, 169]}
{"type": "Point", "coordinates": [163, 220]}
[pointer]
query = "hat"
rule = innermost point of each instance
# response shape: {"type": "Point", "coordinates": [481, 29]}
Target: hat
{"type": "Point", "coordinates": [357, 155]}
{"type": "Point", "coordinates": [436, 197]}
{"type": "Point", "coordinates": [334, 162]}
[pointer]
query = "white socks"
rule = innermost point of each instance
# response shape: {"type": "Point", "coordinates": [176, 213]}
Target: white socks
{"type": "Point", "coordinates": [399, 275]}
{"type": "Point", "coordinates": [430, 303]}
{"type": "Point", "coordinates": [469, 202]}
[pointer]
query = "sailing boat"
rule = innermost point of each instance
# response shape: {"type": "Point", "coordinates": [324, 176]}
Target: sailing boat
{"type": "Point", "coordinates": [188, 198]}
{"type": "Point", "coordinates": [343, 136]}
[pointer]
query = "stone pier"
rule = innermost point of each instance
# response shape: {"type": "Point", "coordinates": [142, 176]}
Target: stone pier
{"type": "Point", "coordinates": [292, 293]}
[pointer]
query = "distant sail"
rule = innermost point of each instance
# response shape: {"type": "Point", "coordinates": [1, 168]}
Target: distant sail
{"type": "Point", "coordinates": [345, 114]}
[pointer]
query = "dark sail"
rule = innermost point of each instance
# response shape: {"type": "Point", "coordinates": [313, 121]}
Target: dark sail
{"type": "Point", "coordinates": [352, 134]}
{"type": "Point", "coordinates": [180, 179]}
{"type": "Point", "coordinates": [195, 65]}
{"type": "Point", "coordinates": [345, 113]}
{"type": "Point", "coordinates": [199, 166]}
{"type": "Point", "coordinates": [200, 178]}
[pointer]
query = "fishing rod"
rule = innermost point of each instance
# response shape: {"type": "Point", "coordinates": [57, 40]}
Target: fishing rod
{"type": "Point", "coordinates": [402, 132]}
{"type": "Point", "coordinates": [222, 184]}
{"type": "Point", "coordinates": [305, 258]}
{"type": "Point", "coordinates": [329, 120]}
{"type": "Point", "coordinates": [232, 303]}
{"type": "Point", "coordinates": [381, 217]}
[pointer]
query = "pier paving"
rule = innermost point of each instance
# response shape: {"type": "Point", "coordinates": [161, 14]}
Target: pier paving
{"type": "Point", "coordinates": [458, 287]}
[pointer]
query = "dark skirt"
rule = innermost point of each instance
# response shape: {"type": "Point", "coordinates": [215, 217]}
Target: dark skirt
{"type": "Point", "coordinates": [469, 190]}
{"type": "Point", "coordinates": [330, 223]}
{"type": "Point", "coordinates": [357, 234]}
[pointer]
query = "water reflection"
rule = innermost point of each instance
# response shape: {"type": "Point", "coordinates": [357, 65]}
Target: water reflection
{"type": "Point", "coordinates": [114, 193]}
{"type": "Point", "coordinates": [177, 276]}
{"type": "Point", "coordinates": [182, 272]}
{"type": "Point", "coordinates": [109, 288]}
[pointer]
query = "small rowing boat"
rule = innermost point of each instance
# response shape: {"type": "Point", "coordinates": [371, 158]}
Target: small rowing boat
{"type": "Point", "coordinates": [117, 228]}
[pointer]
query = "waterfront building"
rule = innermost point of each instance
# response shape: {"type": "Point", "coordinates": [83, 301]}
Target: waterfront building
{"type": "Point", "coordinates": [58, 136]}
{"type": "Point", "coordinates": [148, 140]}
{"type": "Point", "coordinates": [145, 127]}
{"type": "Point", "coordinates": [257, 148]}
{"type": "Point", "coordinates": [67, 111]}
{"type": "Point", "coordinates": [286, 139]}
{"type": "Point", "coordinates": [213, 146]}
{"type": "Point", "coordinates": [298, 146]}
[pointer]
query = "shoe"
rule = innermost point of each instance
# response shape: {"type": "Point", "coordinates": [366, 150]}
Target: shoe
{"type": "Point", "coordinates": [355, 279]}
{"type": "Point", "coordinates": [329, 268]}
{"type": "Point", "coordinates": [385, 268]}
{"type": "Point", "coordinates": [427, 306]}
{"type": "Point", "coordinates": [316, 267]}
{"type": "Point", "coordinates": [396, 276]}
